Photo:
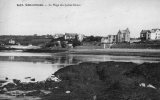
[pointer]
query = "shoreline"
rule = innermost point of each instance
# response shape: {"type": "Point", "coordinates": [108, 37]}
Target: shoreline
{"type": "Point", "coordinates": [119, 52]}
{"type": "Point", "coordinates": [94, 80]}
{"type": "Point", "coordinates": [114, 52]}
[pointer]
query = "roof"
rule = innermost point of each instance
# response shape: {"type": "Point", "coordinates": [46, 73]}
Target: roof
{"type": "Point", "coordinates": [124, 31]}
{"type": "Point", "coordinates": [154, 30]}
{"type": "Point", "coordinates": [71, 34]}
{"type": "Point", "coordinates": [145, 31]}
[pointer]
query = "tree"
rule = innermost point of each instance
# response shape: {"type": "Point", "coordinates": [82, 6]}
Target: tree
{"type": "Point", "coordinates": [76, 42]}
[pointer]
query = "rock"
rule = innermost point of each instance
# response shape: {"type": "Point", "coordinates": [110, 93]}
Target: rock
{"type": "Point", "coordinates": [53, 78]}
{"type": "Point", "coordinates": [151, 86]}
{"type": "Point", "coordinates": [16, 81]}
{"type": "Point", "coordinates": [4, 84]}
{"type": "Point", "coordinates": [10, 86]}
{"type": "Point", "coordinates": [68, 92]}
{"type": "Point", "coordinates": [147, 72]}
{"type": "Point", "coordinates": [45, 92]}
{"type": "Point", "coordinates": [15, 93]}
{"type": "Point", "coordinates": [94, 97]}
{"type": "Point", "coordinates": [27, 77]}
{"type": "Point", "coordinates": [6, 78]}
{"type": "Point", "coordinates": [106, 81]}
{"type": "Point", "coordinates": [35, 93]}
{"type": "Point", "coordinates": [5, 89]}
{"type": "Point", "coordinates": [33, 79]}
{"type": "Point", "coordinates": [2, 92]}
{"type": "Point", "coordinates": [142, 85]}
{"type": "Point", "coordinates": [3, 81]}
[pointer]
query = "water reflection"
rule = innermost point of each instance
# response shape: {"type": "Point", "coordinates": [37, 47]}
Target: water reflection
{"type": "Point", "coordinates": [41, 65]}
{"type": "Point", "coordinates": [74, 59]}
{"type": "Point", "coordinates": [21, 70]}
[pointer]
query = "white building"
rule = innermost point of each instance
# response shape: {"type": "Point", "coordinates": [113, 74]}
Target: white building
{"type": "Point", "coordinates": [58, 35]}
{"type": "Point", "coordinates": [11, 41]}
{"type": "Point", "coordinates": [155, 34]}
{"type": "Point", "coordinates": [106, 42]}
{"type": "Point", "coordinates": [70, 35]}
{"type": "Point", "coordinates": [80, 37]}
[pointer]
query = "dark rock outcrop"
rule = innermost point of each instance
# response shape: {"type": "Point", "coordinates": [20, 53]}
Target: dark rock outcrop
{"type": "Point", "coordinates": [106, 81]}
{"type": "Point", "coordinates": [102, 81]}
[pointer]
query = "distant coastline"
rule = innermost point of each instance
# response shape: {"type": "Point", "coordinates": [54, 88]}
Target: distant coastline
{"type": "Point", "coordinates": [49, 5]}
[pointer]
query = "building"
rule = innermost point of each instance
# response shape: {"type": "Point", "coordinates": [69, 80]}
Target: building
{"type": "Point", "coordinates": [105, 40]}
{"type": "Point", "coordinates": [123, 36]}
{"type": "Point", "coordinates": [145, 35]}
{"type": "Point", "coordinates": [80, 37]}
{"type": "Point", "coordinates": [112, 38]}
{"type": "Point", "coordinates": [11, 41]}
{"type": "Point", "coordinates": [155, 34]}
{"type": "Point", "coordinates": [56, 36]}
{"type": "Point", "coordinates": [108, 41]}
{"type": "Point", "coordinates": [70, 35]}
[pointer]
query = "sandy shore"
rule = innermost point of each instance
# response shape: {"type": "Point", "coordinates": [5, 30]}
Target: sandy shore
{"type": "Point", "coordinates": [119, 52]}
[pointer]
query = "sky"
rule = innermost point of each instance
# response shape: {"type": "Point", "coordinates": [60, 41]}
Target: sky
{"type": "Point", "coordinates": [92, 17]}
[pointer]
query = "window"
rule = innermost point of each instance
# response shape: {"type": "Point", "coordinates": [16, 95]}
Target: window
{"type": "Point", "coordinates": [142, 35]}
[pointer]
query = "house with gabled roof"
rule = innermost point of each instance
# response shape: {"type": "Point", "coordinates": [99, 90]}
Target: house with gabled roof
{"type": "Point", "coordinates": [70, 35]}
{"type": "Point", "coordinates": [155, 34]}
{"type": "Point", "coordinates": [145, 35]}
{"type": "Point", "coordinates": [123, 36]}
